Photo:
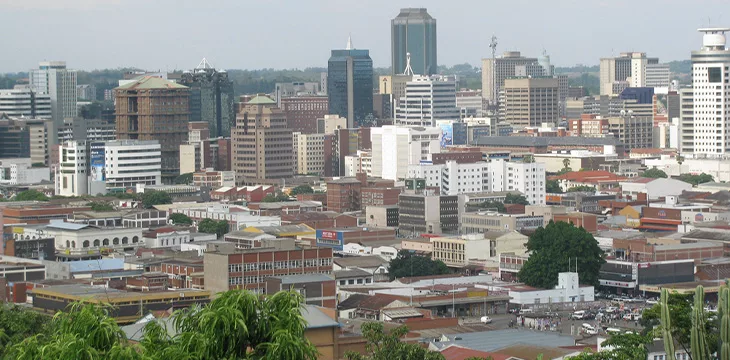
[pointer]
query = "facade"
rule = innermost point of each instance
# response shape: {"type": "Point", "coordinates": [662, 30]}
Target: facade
{"type": "Point", "coordinates": [317, 289]}
{"type": "Point", "coordinates": [350, 85]}
{"type": "Point", "coordinates": [302, 112]}
{"type": "Point", "coordinates": [91, 130]}
{"type": "Point", "coordinates": [214, 179]}
{"type": "Point", "coordinates": [227, 268]}
{"type": "Point", "coordinates": [309, 152]}
{"type": "Point", "coordinates": [456, 251]}
{"type": "Point", "coordinates": [686, 121]}
{"type": "Point", "coordinates": [22, 172]}
{"type": "Point", "coordinates": [413, 32]}
{"type": "Point", "coordinates": [14, 138]}
{"type": "Point", "coordinates": [128, 163]}
{"type": "Point", "coordinates": [78, 239]}
{"type": "Point", "coordinates": [37, 213]}
{"type": "Point", "coordinates": [54, 79]}
{"type": "Point", "coordinates": [427, 213]}
{"type": "Point", "coordinates": [496, 70]}
{"type": "Point", "coordinates": [607, 106]}
{"type": "Point", "coordinates": [329, 124]}
{"type": "Point", "coordinates": [296, 89]}
{"type": "Point", "coordinates": [658, 77]}
{"type": "Point", "coordinates": [155, 109]}
{"type": "Point", "coordinates": [396, 147]}
{"type": "Point", "coordinates": [211, 98]}
{"type": "Point", "coordinates": [262, 142]}
{"type": "Point", "coordinates": [426, 100]}
{"type": "Point", "coordinates": [72, 177]}
{"type": "Point", "coordinates": [343, 195]}
{"type": "Point", "coordinates": [86, 92]}
{"type": "Point", "coordinates": [633, 131]}
{"type": "Point", "coordinates": [529, 101]}
{"type": "Point", "coordinates": [483, 222]}
{"type": "Point", "coordinates": [568, 290]}
{"type": "Point", "coordinates": [629, 68]}
{"type": "Point", "coordinates": [710, 90]}
{"type": "Point", "coordinates": [362, 162]}
{"type": "Point", "coordinates": [381, 216]}
{"type": "Point", "coordinates": [25, 102]}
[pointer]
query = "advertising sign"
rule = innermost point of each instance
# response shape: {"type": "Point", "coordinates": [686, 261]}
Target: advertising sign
{"type": "Point", "coordinates": [447, 135]}
{"type": "Point", "coordinates": [96, 162]}
{"type": "Point", "coordinates": [328, 235]}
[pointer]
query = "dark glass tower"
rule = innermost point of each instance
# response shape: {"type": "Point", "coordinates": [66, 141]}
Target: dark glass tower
{"type": "Point", "coordinates": [414, 31]}
{"type": "Point", "coordinates": [350, 85]}
{"type": "Point", "coordinates": [211, 98]}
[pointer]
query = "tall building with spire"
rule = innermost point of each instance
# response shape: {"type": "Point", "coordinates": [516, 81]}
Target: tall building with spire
{"type": "Point", "coordinates": [711, 90]}
{"type": "Point", "coordinates": [211, 98]}
{"type": "Point", "coordinates": [350, 84]}
{"type": "Point", "coordinates": [414, 31]}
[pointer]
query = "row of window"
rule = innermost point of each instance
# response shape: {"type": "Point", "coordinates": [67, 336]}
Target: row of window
{"type": "Point", "coordinates": [271, 265]}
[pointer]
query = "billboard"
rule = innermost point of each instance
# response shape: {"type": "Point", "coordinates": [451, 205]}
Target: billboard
{"type": "Point", "coordinates": [333, 239]}
{"type": "Point", "coordinates": [96, 162]}
{"type": "Point", "coordinates": [447, 134]}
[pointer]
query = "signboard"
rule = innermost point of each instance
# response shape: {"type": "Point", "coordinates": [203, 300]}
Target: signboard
{"type": "Point", "coordinates": [96, 162]}
{"type": "Point", "coordinates": [662, 214]}
{"type": "Point", "coordinates": [699, 217]}
{"type": "Point", "coordinates": [420, 184]}
{"type": "Point", "coordinates": [644, 265]}
{"type": "Point", "coordinates": [328, 235]}
{"type": "Point", "coordinates": [415, 184]}
{"type": "Point", "coordinates": [447, 135]}
{"type": "Point", "coordinates": [621, 284]}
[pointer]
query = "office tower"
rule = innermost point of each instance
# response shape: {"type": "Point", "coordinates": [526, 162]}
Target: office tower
{"type": "Point", "coordinates": [54, 79]}
{"type": "Point", "coordinates": [395, 86]}
{"type": "Point", "coordinates": [152, 108]}
{"type": "Point", "coordinates": [302, 112]}
{"type": "Point", "coordinates": [22, 101]}
{"type": "Point", "coordinates": [686, 121]}
{"type": "Point", "coordinates": [86, 92]}
{"type": "Point", "coordinates": [427, 99]}
{"type": "Point", "coordinates": [607, 106]}
{"type": "Point", "coordinates": [396, 147]}
{"type": "Point", "coordinates": [350, 85]}
{"type": "Point", "coordinates": [529, 101]}
{"type": "Point", "coordinates": [413, 32]}
{"type": "Point", "coordinates": [494, 71]}
{"type": "Point", "coordinates": [635, 132]}
{"type": "Point", "coordinates": [629, 68]}
{"type": "Point", "coordinates": [211, 98]}
{"type": "Point", "coordinates": [658, 77]}
{"type": "Point", "coordinates": [91, 130]}
{"type": "Point", "coordinates": [195, 154]}
{"type": "Point", "coordinates": [711, 90]}
{"type": "Point", "coordinates": [39, 134]}
{"type": "Point", "coordinates": [330, 123]}
{"type": "Point", "coordinates": [262, 143]}
{"type": "Point", "coordinates": [309, 153]}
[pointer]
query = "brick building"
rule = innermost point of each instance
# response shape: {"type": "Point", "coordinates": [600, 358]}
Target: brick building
{"type": "Point", "coordinates": [320, 219]}
{"type": "Point", "coordinates": [337, 238]}
{"type": "Point", "coordinates": [302, 112]}
{"type": "Point", "coordinates": [253, 193]}
{"type": "Point", "coordinates": [37, 213]}
{"type": "Point", "coordinates": [379, 196]}
{"type": "Point", "coordinates": [586, 221]}
{"type": "Point", "coordinates": [229, 268]}
{"type": "Point", "coordinates": [353, 194]}
{"type": "Point", "coordinates": [640, 250]}
{"type": "Point", "coordinates": [461, 157]}
{"type": "Point", "coordinates": [182, 274]}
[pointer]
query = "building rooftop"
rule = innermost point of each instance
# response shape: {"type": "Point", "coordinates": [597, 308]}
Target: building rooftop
{"type": "Point", "coordinates": [687, 246]}
{"type": "Point", "coordinates": [544, 141]}
{"type": "Point", "coordinates": [491, 341]}
{"type": "Point", "coordinates": [708, 235]}
{"type": "Point", "coordinates": [360, 261]}
{"type": "Point", "coordinates": [350, 273]}
{"type": "Point", "coordinates": [103, 293]}
{"type": "Point", "coordinates": [149, 83]}
{"type": "Point", "coordinates": [353, 301]}
{"type": "Point", "coordinates": [282, 229]}
{"type": "Point", "coordinates": [261, 100]}
{"type": "Point", "coordinates": [345, 180]}
{"type": "Point", "coordinates": [302, 278]}
{"type": "Point", "coordinates": [283, 204]}
{"type": "Point", "coordinates": [456, 352]}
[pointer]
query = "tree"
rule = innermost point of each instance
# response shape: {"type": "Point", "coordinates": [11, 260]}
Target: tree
{"type": "Point", "coordinates": [31, 195]}
{"type": "Point", "coordinates": [184, 179]}
{"type": "Point", "coordinates": [278, 197]}
{"type": "Point", "coordinates": [407, 264]}
{"type": "Point", "coordinates": [566, 165]}
{"type": "Point", "coordinates": [180, 219]}
{"type": "Point", "coordinates": [100, 206]}
{"type": "Point", "coordinates": [582, 188]}
{"type": "Point", "coordinates": [553, 187]}
{"type": "Point", "coordinates": [210, 226]}
{"type": "Point", "coordinates": [387, 346]}
{"type": "Point", "coordinates": [628, 346]}
{"type": "Point", "coordinates": [558, 247]}
{"type": "Point", "coordinates": [528, 159]}
{"type": "Point", "coordinates": [654, 173]}
{"type": "Point", "coordinates": [152, 198]}
{"type": "Point", "coordinates": [516, 199]}
{"type": "Point", "coordinates": [18, 323]}
{"type": "Point", "coordinates": [301, 189]}
{"type": "Point", "coordinates": [490, 204]}
{"type": "Point", "coordinates": [696, 179]}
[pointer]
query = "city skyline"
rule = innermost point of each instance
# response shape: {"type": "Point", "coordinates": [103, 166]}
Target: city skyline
{"type": "Point", "coordinates": [291, 41]}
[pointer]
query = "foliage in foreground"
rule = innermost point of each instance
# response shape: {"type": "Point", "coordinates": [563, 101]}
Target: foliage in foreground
{"type": "Point", "coordinates": [387, 346]}
{"type": "Point", "coordinates": [236, 325]}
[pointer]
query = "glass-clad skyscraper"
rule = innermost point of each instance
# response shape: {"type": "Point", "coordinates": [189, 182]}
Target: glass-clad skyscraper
{"type": "Point", "coordinates": [211, 98]}
{"type": "Point", "coordinates": [414, 31]}
{"type": "Point", "coordinates": [350, 85]}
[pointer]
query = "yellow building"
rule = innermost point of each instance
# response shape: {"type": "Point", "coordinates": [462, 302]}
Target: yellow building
{"type": "Point", "coordinates": [283, 231]}
{"type": "Point", "coordinates": [633, 215]}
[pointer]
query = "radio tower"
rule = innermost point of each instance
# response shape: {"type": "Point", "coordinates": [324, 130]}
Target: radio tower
{"type": "Point", "coordinates": [493, 46]}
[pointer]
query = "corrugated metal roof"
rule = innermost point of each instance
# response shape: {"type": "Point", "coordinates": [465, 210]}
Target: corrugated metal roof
{"type": "Point", "coordinates": [303, 278]}
{"type": "Point", "coordinates": [57, 224]}
{"type": "Point", "coordinates": [499, 339]}
{"type": "Point", "coordinates": [96, 265]}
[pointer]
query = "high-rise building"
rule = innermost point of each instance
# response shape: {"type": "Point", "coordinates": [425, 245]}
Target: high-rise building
{"type": "Point", "coordinates": [91, 130]}
{"type": "Point", "coordinates": [413, 32]}
{"type": "Point", "coordinates": [152, 108]}
{"type": "Point", "coordinates": [635, 132]}
{"type": "Point", "coordinates": [427, 99]}
{"type": "Point", "coordinates": [629, 68]}
{"type": "Point", "coordinates": [658, 76]}
{"type": "Point", "coordinates": [262, 143]}
{"type": "Point", "coordinates": [530, 101]}
{"type": "Point", "coordinates": [302, 112]}
{"type": "Point", "coordinates": [711, 94]}
{"type": "Point", "coordinates": [211, 98]}
{"type": "Point", "coordinates": [309, 153]}
{"type": "Point", "coordinates": [86, 92]}
{"type": "Point", "coordinates": [428, 213]}
{"type": "Point", "coordinates": [350, 85]}
{"type": "Point", "coordinates": [495, 71]}
{"type": "Point", "coordinates": [686, 121]}
{"type": "Point", "coordinates": [54, 79]}
{"type": "Point", "coordinates": [607, 106]}
{"type": "Point", "coordinates": [294, 89]}
{"type": "Point", "coordinates": [25, 138]}
{"type": "Point", "coordinates": [72, 177]}
{"type": "Point", "coordinates": [396, 147]}
{"type": "Point", "coordinates": [26, 102]}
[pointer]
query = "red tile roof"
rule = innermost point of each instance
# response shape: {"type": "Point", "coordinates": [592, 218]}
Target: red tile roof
{"type": "Point", "coordinates": [455, 352]}
{"type": "Point", "coordinates": [641, 180]}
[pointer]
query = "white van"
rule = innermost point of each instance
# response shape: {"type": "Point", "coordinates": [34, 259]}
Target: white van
{"type": "Point", "coordinates": [613, 331]}
{"type": "Point", "coordinates": [589, 329]}
{"type": "Point", "coordinates": [578, 315]}
{"type": "Point", "coordinates": [526, 311]}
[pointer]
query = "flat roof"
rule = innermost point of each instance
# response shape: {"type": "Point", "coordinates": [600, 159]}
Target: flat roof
{"type": "Point", "coordinates": [302, 278]}
{"type": "Point", "coordinates": [544, 141]}
{"type": "Point", "coordinates": [101, 293]}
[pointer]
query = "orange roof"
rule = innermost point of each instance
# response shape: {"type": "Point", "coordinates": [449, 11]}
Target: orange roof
{"type": "Point", "coordinates": [588, 176]}
{"type": "Point", "coordinates": [641, 180]}
{"type": "Point", "coordinates": [653, 151]}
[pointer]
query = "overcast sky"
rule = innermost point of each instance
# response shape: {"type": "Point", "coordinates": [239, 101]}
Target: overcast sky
{"type": "Point", "coordinates": [247, 34]}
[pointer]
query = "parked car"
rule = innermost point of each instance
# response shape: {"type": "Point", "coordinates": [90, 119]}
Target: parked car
{"type": "Point", "coordinates": [486, 320]}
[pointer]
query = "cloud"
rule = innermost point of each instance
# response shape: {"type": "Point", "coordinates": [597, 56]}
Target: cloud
{"type": "Point", "coordinates": [56, 4]}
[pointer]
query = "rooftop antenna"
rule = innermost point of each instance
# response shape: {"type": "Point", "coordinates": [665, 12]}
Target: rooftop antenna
{"type": "Point", "coordinates": [409, 69]}
{"type": "Point", "coordinates": [349, 42]}
{"type": "Point", "coordinates": [204, 64]}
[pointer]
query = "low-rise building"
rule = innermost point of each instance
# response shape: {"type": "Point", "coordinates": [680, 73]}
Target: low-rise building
{"type": "Point", "coordinates": [600, 180]}
{"type": "Point", "coordinates": [482, 222]}
{"type": "Point", "coordinates": [382, 216]}
{"type": "Point", "coordinates": [428, 213]}
{"type": "Point", "coordinates": [254, 193]}
{"type": "Point", "coordinates": [653, 188]}
{"type": "Point", "coordinates": [74, 238]}
{"type": "Point", "coordinates": [568, 290]}
{"type": "Point", "coordinates": [214, 179]}
{"type": "Point", "coordinates": [456, 251]}
{"type": "Point", "coordinates": [22, 172]}
{"type": "Point", "coordinates": [317, 289]}
{"type": "Point", "coordinates": [338, 238]}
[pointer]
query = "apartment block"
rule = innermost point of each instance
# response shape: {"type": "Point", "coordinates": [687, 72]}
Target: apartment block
{"type": "Point", "coordinates": [530, 101]}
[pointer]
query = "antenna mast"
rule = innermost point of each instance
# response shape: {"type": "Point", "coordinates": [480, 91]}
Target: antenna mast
{"type": "Point", "coordinates": [493, 46]}
{"type": "Point", "coordinates": [409, 69]}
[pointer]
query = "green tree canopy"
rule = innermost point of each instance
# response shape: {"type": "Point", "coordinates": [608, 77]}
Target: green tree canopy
{"type": "Point", "coordinates": [180, 219]}
{"type": "Point", "coordinates": [696, 179]}
{"type": "Point", "coordinates": [553, 247]}
{"type": "Point", "coordinates": [100, 206]}
{"type": "Point", "coordinates": [490, 204]}
{"type": "Point", "coordinates": [388, 346]}
{"type": "Point", "coordinates": [184, 179]}
{"type": "Point", "coordinates": [623, 347]}
{"type": "Point", "coordinates": [152, 198]}
{"type": "Point", "coordinates": [31, 195]}
{"type": "Point", "coordinates": [301, 189]}
{"type": "Point", "coordinates": [407, 264]}
{"type": "Point", "coordinates": [18, 323]}
{"type": "Point", "coordinates": [582, 188]}
{"type": "Point", "coordinates": [278, 197]}
{"type": "Point", "coordinates": [654, 173]}
{"type": "Point", "coordinates": [516, 199]}
{"type": "Point", "coordinates": [553, 187]}
{"type": "Point", "coordinates": [210, 226]}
